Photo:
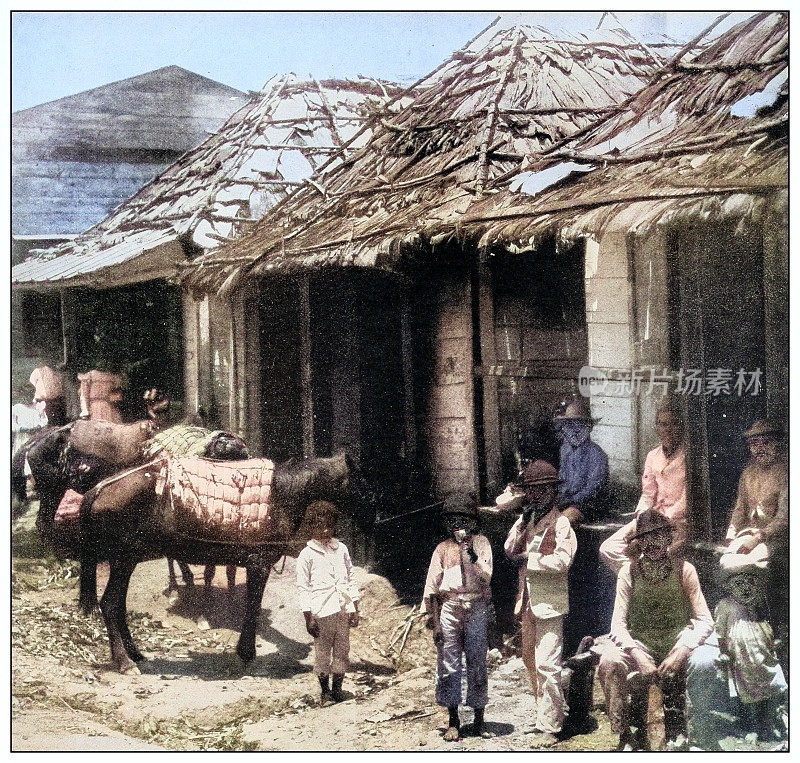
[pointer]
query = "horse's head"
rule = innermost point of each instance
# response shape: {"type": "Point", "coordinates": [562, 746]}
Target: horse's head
{"type": "Point", "coordinates": [157, 404]}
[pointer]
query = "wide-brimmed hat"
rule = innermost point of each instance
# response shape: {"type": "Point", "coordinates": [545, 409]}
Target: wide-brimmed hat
{"type": "Point", "coordinates": [461, 503]}
{"type": "Point", "coordinates": [755, 563]}
{"type": "Point", "coordinates": [537, 473]}
{"type": "Point", "coordinates": [651, 521]}
{"type": "Point", "coordinates": [575, 409]}
{"type": "Point", "coordinates": [764, 428]}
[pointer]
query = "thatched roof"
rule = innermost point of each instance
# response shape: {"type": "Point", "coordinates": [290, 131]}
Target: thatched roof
{"type": "Point", "coordinates": [707, 138]}
{"type": "Point", "coordinates": [259, 156]}
{"type": "Point", "coordinates": [507, 94]}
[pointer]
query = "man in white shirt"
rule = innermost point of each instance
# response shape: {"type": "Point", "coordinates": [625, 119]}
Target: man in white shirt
{"type": "Point", "coordinates": [544, 544]}
{"type": "Point", "coordinates": [328, 598]}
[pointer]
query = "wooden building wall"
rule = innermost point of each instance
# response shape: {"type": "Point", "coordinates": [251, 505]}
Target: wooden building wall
{"type": "Point", "coordinates": [611, 349]}
{"type": "Point", "coordinates": [76, 158]}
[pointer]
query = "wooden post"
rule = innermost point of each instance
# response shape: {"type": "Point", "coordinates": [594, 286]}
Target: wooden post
{"type": "Point", "coordinates": [406, 350]}
{"type": "Point", "coordinates": [491, 412]}
{"type": "Point", "coordinates": [251, 375]}
{"type": "Point", "coordinates": [190, 354]}
{"type": "Point", "coordinates": [694, 406]}
{"type": "Point", "coordinates": [305, 367]}
{"type": "Point", "coordinates": [776, 312]}
{"type": "Point", "coordinates": [68, 326]}
{"type": "Point", "coordinates": [233, 367]}
{"type": "Point", "coordinates": [204, 369]}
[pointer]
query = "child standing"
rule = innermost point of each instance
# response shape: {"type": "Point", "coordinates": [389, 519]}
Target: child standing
{"type": "Point", "coordinates": [747, 650]}
{"type": "Point", "coordinates": [328, 598]}
{"type": "Point", "coordinates": [457, 596]}
{"type": "Point", "coordinates": [543, 541]}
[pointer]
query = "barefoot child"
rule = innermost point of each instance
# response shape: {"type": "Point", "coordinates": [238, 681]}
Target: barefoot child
{"type": "Point", "coordinates": [328, 598]}
{"type": "Point", "coordinates": [457, 597]}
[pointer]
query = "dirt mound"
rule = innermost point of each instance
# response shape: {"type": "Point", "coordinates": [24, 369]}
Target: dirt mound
{"type": "Point", "coordinates": [391, 634]}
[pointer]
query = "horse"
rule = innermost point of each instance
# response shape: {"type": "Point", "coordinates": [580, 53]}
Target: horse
{"type": "Point", "coordinates": [123, 521]}
{"type": "Point", "coordinates": [78, 455]}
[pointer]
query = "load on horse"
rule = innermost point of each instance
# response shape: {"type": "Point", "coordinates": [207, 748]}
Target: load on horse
{"type": "Point", "coordinates": [67, 461]}
{"type": "Point", "coordinates": [243, 513]}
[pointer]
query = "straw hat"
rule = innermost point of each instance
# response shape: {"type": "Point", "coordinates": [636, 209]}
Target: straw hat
{"type": "Point", "coordinates": [762, 428]}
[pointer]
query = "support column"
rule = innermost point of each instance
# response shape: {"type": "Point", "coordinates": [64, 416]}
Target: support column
{"type": "Point", "coordinates": [611, 334]}
{"type": "Point", "coordinates": [491, 411]}
{"type": "Point", "coordinates": [190, 357]}
{"type": "Point", "coordinates": [776, 310]}
{"type": "Point", "coordinates": [406, 348]}
{"type": "Point", "coordinates": [305, 368]}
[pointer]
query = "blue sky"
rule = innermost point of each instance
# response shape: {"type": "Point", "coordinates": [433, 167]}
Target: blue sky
{"type": "Point", "coordinates": [57, 54]}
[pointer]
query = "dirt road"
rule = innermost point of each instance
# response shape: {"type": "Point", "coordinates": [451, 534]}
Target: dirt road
{"type": "Point", "coordinates": [194, 694]}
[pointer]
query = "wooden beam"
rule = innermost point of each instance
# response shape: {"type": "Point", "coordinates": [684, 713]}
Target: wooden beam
{"type": "Point", "coordinates": [491, 411]}
{"type": "Point", "coordinates": [233, 369]}
{"type": "Point", "coordinates": [251, 375]}
{"type": "Point", "coordinates": [190, 356]}
{"type": "Point", "coordinates": [406, 349]}
{"type": "Point", "coordinates": [776, 314]}
{"type": "Point", "coordinates": [305, 367]}
{"type": "Point", "coordinates": [204, 369]}
{"type": "Point", "coordinates": [694, 406]}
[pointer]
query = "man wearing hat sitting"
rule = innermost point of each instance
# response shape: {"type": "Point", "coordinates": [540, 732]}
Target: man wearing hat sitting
{"type": "Point", "coordinates": [544, 544]}
{"type": "Point", "coordinates": [457, 595]}
{"type": "Point", "coordinates": [660, 617]}
{"type": "Point", "coordinates": [583, 464]}
{"type": "Point", "coordinates": [759, 523]}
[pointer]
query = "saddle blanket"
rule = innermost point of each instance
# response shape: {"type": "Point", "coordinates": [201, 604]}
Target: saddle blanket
{"type": "Point", "coordinates": [232, 498]}
{"type": "Point", "coordinates": [69, 510]}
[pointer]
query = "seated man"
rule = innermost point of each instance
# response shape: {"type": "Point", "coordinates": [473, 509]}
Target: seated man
{"type": "Point", "coordinates": [663, 486]}
{"type": "Point", "coordinates": [759, 523]}
{"type": "Point", "coordinates": [583, 469]}
{"type": "Point", "coordinates": [660, 616]}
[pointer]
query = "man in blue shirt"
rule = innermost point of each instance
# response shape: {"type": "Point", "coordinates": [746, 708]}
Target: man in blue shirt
{"type": "Point", "coordinates": [583, 467]}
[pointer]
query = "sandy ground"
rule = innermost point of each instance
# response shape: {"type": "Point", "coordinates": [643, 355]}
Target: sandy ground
{"type": "Point", "coordinates": [193, 693]}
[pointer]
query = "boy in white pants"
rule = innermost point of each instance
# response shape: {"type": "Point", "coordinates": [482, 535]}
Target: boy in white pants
{"type": "Point", "coordinates": [328, 598]}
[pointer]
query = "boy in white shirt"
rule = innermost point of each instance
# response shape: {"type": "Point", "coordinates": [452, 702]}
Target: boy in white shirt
{"type": "Point", "coordinates": [328, 598]}
{"type": "Point", "coordinates": [457, 595]}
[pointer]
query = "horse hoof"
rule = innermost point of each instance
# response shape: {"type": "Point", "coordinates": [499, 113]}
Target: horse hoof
{"type": "Point", "coordinates": [129, 669]}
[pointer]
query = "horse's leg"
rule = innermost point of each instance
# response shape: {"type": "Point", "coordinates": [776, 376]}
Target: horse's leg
{"type": "Point", "coordinates": [173, 579]}
{"type": "Point", "coordinates": [208, 574]}
{"type": "Point", "coordinates": [230, 572]}
{"type": "Point", "coordinates": [127, 639]}
{"type": "Point", "coordinates": [186, 574]}
{"type": "Point", "coordinates": [112, 604]}
{"type": "Point", "coordinates": [87, 595]}
{"type": "Point", "coordinates": [257, 574]}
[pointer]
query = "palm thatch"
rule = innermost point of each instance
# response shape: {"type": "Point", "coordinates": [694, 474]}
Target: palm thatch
{"type": "Point", "coordinates": [707, 138]}
{"type": "Point", "coordinates": [507, 94]}
{"type": "Point", "coordinates": [259, 156]}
